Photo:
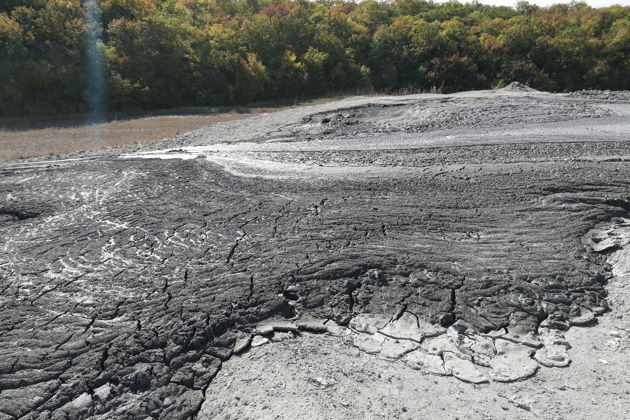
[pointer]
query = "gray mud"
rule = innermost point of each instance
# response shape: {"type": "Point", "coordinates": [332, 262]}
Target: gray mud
{"type": "Point", "coordinates": [128, 280]}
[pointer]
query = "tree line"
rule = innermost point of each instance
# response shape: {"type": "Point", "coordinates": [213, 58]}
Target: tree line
{"type": "Point", "coordinates": [166, 53]}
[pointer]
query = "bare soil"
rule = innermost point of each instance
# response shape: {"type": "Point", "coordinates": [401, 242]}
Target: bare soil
{"type": "Point", "coordinates": [21, 144]}
{"type": "Point", "coordinates": [60, 137]}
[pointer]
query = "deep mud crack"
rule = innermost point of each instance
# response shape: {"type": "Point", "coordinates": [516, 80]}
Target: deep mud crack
{"type": "Point", "coordinates": [448, 234]}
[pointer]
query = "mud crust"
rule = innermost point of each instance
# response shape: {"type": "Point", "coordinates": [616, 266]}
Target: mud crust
{"type": "Point", "coordinates": [128, 280]}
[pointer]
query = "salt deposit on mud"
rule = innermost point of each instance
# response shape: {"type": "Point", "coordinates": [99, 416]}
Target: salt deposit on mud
{"type": "Point", "coordinates": [428, 255]}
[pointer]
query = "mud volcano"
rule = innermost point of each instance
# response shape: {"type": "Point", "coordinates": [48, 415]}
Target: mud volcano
{"type": "Point", "coordinates": [446, 237]}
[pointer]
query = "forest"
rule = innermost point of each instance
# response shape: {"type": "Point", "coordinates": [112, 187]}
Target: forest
{"type": "Point", "coordinates": [72, 57]}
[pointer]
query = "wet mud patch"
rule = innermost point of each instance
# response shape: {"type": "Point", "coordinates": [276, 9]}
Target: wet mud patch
{"type": "Point", "coordinates": [12, 214]}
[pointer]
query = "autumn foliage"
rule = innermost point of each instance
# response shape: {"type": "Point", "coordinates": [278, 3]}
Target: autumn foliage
{"type": "Point", "coordinates": [166, 53]}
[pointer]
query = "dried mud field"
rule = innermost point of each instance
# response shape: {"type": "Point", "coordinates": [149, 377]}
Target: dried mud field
{"type": "Point", "coordinates": [424, 256]}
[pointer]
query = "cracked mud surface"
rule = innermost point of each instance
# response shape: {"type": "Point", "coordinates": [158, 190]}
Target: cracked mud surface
{"type": "Point", "coordinates": [324, 376]}
{"type": "Point", "coordinates": [448, 235]}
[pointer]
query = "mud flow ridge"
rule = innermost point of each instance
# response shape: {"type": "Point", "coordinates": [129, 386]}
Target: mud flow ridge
{"type": "Point", "coordinates": [443, 114]}
{"type": "Point", "coordinates": [450, 233]}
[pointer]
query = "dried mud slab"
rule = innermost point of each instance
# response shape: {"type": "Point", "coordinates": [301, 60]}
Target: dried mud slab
{"type": "Point", "coordinates": [330, 376]}
{"type": "Point", "coordinates": [459, 250]}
